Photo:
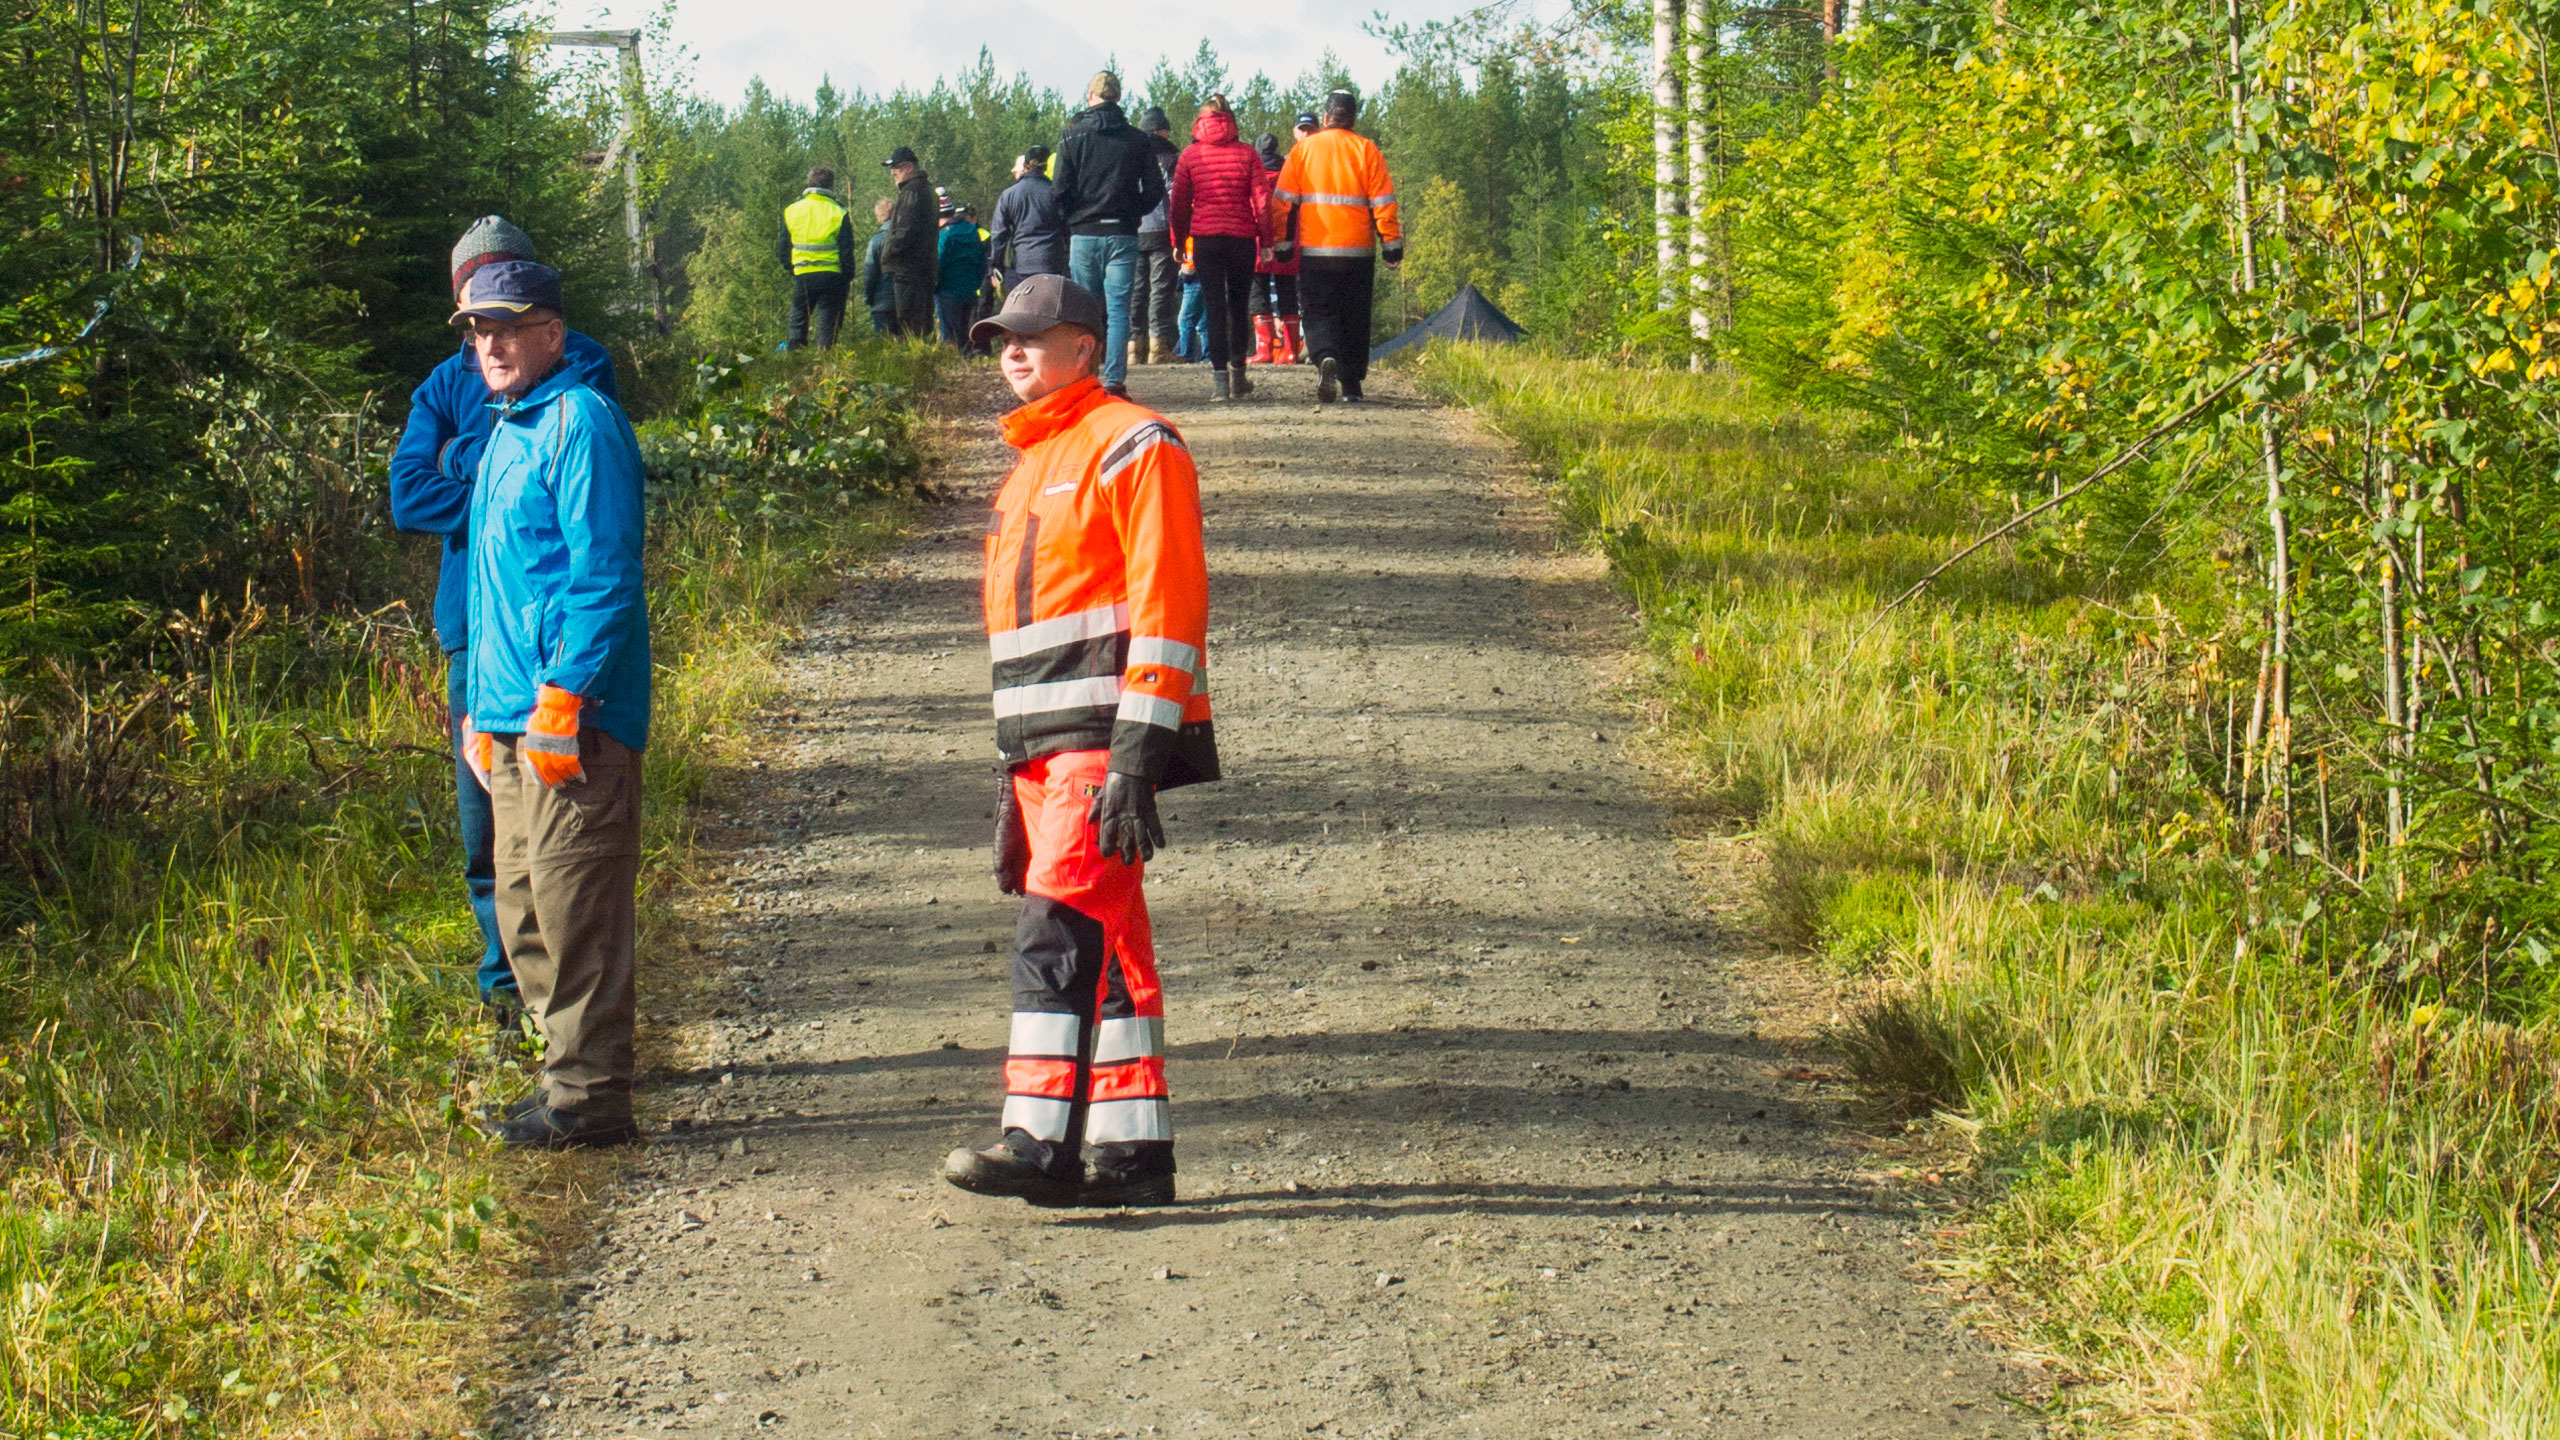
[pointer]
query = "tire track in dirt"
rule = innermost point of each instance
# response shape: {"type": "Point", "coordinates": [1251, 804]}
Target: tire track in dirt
{"type": "Point", "coordinates": [1475, 1135]}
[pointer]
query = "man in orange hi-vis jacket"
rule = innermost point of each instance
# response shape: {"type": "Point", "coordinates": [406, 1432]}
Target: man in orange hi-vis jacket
{"type": "Point", "coordinates": [1097, 598]}
{"type": "Point", "coordinates": [1333, 204]}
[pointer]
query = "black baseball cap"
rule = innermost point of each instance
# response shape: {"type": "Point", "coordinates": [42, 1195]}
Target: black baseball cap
{"type": "Point", "coordinates": [1043, 302]}
{"type": "Point", "coordinates": [507, 290]}
{"type": "Point", "coordinates": [900, 156]}
{"type": "Point", "coordinates": [1306, 121]}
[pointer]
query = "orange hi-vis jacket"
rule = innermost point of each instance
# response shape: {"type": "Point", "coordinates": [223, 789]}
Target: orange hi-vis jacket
{"type": "Point", "coordinates": [1336, 183]}
{"type": "Point", "coordinates": [1097, 590]}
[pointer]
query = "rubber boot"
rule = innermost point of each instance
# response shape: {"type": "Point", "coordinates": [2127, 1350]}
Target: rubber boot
{"type": "Point", "coordinates": [1261, 339]}
{"type": "Point", "coordinates": [1218, 385]}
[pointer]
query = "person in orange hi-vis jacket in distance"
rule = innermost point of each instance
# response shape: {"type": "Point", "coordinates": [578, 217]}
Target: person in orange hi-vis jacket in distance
{"type": "Point", "coordinates": [1334, 210]}
{"type": "Point", "coordinates": [1097, 601]}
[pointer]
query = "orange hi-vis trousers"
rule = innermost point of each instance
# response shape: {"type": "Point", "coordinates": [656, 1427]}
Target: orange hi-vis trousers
{"type": "Point", "coordinates": [1086, 1066]}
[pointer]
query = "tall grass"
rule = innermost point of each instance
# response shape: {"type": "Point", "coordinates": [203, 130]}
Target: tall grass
{"type": "Point", "coordinates": [2260, 1191]}
{"type": "Point", "coordinates": [239, 1036]}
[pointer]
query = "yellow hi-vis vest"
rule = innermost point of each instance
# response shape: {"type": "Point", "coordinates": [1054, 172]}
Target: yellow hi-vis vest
{"type": "Point", "coordinates": [814, 220]}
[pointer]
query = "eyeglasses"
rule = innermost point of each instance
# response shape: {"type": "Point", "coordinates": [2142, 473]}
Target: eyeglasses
{"type": "Point", "coordinates": [480, 329]}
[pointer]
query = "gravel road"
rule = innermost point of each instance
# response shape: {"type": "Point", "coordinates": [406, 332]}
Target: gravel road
{"type": "Point", "coordinates": [1476, 1138]}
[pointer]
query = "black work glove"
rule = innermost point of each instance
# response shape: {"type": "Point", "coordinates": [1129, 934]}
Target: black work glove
{"type": "Point", "coordinates": [1124, 819]}
{"type": "Point", "coordinates": [1281, 250]}
{"type": "Point", "coordinates": [1013, 842]}
{"type": "Point", "coordinates": [1394, 253]}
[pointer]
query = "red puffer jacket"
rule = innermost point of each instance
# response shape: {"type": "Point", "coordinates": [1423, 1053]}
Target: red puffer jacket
{"type": "Point", "coordinates": [1219, 185]}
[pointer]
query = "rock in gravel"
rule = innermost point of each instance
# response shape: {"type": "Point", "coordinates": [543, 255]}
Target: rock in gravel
{"type": "Point", "coordinates": [687, 1220]}
{"type": "Point", "coordinates": [738, 1148]}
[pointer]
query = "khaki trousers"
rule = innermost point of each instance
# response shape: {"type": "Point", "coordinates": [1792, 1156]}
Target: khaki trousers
{"type": "Point", "coordinates": [568, 863]}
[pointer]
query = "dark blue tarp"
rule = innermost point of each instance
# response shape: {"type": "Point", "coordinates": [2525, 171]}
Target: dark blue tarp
{"type": "Point", "coordinates": [1467, 316]}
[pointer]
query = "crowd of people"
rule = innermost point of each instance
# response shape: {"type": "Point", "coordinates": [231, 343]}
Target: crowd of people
{"type": "Point", "coordinates": [1218, 251]}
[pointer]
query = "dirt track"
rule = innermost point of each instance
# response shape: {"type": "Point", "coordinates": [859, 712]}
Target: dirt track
{"type": "Point", "coordinates": [1475, 1138]}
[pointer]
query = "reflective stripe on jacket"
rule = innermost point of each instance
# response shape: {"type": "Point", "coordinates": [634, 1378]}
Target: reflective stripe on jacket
{"type": "Point", "coordinates": [818, 234]}
{"type": "Point", "coordinates": [1097, 590]}
{"type": "Point", "coordinates": [1336, 183]}
{"type": "Point", "coordinates": [557, 520]}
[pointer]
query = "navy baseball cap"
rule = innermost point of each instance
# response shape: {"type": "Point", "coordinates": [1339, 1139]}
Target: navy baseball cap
{"type": "Point", "coordinates": [900, 156]}
{"type": "Point", "coordinates": [508, 290]}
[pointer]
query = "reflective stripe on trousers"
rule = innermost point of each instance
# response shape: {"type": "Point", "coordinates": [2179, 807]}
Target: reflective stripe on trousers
{"type": "Point", "coordinates": [1086, 1060]}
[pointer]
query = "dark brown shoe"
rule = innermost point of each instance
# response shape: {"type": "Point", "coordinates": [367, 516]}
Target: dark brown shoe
{"type": "Point", "coordinates": [1004, 1171]}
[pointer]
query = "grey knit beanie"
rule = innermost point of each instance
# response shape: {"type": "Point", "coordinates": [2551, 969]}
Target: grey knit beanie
{"type": "Point", "coordinates": [489, 238]}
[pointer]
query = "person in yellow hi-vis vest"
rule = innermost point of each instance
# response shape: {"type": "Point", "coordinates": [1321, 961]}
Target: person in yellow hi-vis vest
{"type": "Point", "coordinates": [816, 246]}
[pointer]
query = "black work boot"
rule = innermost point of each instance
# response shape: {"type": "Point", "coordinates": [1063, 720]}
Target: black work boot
{"type": "Point", "coordinates": [1129, 1172]}
{"type": "Point", "coordinates": [1104, 1189]}
{"type": "Point", "coordinates": [1328, 381]}
{"type": "Point", "coordinates": [1243, 387]}
{"type": "Point", "coordinates": [543, 1128]}
{"type": "Point", "coordinates": [1016, 1166]}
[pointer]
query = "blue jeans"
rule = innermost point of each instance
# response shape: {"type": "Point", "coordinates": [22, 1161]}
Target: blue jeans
{"type": "Point", "coordinates": [1192, 342]}
{"type": "Point", "coordinates": [1107, 265]}
{"type": "Point", "coordinates": [479, 836]}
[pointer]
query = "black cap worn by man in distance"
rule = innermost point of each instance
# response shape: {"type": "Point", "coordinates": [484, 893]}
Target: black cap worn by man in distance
{"type": "Point", "coordinates": [1043, 302]}
{"type": "Point", "coordinates": [900, 156]}
{"type": "Point", "coordinates": [508, 290]}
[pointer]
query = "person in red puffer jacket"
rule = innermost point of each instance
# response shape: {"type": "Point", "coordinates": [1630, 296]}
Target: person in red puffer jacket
{"type": "Point", "coordinates": [1221, 206]}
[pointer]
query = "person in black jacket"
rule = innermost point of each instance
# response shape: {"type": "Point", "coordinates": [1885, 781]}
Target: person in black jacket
{"type": "Point", "coordinates": [1107, 182]}
{"type": "Point", "coordinates": [1029, 236]}
{"type": "Point", "coordinates": [911, 255]}
{"type": "Point", "coordinates": [1159, 287]}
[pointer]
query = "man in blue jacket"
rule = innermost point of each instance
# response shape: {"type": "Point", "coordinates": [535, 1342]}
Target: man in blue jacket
{"type": "Point", "coordinates": [449, 420]}
{"type": "Point", "coordinates": [1029, 236]}
{"type": "Point", "coordinates": [559, 700]}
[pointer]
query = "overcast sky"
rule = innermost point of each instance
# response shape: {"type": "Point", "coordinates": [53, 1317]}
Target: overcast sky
{"type": "Point", "coordinates": [877, 46]}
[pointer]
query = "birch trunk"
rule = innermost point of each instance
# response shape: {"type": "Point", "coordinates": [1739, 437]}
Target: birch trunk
{"type": "Point", "coordinates": [1702, 45]}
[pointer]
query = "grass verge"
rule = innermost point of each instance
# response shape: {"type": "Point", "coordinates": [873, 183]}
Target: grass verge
{"type": "Point", "coordinates": [2255, 1194]}
{"type": "Point", "coordinates": [239, 1040]}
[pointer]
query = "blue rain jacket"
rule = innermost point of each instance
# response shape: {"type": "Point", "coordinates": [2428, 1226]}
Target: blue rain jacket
{"type": "Point", "coordinates": [557, 519]}
{"type": "Point", "coordinates": [449, 418]}
{"type": "Point", "coordinates": [960, 260]}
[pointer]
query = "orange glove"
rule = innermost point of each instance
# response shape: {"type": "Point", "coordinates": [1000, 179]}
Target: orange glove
{"type": "Point", "coordinates": [550, 743]}
{"type": "Point", "coordinates": [477, 752]}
